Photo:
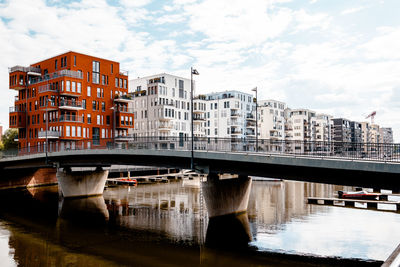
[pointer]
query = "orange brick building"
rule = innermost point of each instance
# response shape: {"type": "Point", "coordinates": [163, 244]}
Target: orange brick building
{"type": "Point", "coordinates": [73, 100]}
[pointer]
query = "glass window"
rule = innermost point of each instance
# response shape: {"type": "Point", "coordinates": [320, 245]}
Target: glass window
{"type": "Point", "coordinates": [73, 86]}
{"type": "Point", "coordinates": [73, 131]}
{"type": "Point", "coordinates": [88, 91]}
{"type": "Point", "coordinates": [68, 86]}
{"type": "Point", "coordinates": [79, 87]}
{"type": "Point", "coordinates": [67, 131]}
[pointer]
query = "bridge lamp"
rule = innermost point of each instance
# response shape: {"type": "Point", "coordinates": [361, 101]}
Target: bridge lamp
{"type": "Point", "coordinates": [192, 72]}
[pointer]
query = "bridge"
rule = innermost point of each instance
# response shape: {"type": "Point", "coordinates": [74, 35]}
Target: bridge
{"type": "Point", "coordinates": [366, 165]}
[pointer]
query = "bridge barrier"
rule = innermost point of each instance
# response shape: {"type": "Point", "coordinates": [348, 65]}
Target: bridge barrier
{"type": "Point", "coordinates": [383, 152]}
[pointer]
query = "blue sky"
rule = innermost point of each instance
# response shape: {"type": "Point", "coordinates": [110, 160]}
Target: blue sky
{"type": "Point", "coordinates": [338, 57]}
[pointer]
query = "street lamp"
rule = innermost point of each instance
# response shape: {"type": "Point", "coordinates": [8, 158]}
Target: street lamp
{"type": "Point", "coordinates": [192, 72]}
{"type": "Point", "coordinates": [47, 128]}
{"type": "Point", "coordinates": [255, 90]}
{"type": "Point", "coordinates": [113, 132]}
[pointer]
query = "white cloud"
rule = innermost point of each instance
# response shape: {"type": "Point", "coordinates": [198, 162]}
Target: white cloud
{"type": "Point", "coordinates": [353, 10]}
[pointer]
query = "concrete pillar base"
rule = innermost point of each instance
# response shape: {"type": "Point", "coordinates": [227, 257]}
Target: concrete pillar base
{"type": "Point", "coordinates": [226, 196]}
{"type": "Point", "coordinates": [83, 183]}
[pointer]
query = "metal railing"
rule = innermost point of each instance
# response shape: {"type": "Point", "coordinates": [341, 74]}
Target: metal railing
{"type": "Point", "coordinates": [24, 69]}
{"type": "Point", "coordinates": [57, 74]}
{"type": "Point", "coordinates": [334, 150]}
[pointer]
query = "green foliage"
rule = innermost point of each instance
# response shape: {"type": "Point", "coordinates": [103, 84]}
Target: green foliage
{"type": "Point", "coordinates": [7, 139]}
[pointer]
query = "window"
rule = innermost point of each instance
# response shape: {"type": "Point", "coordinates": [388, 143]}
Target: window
{"type": "Point", "coordinates": [84, 103]}
{"type": "Point", "coordinates": [125, 83]}
{"type": "Point", "coordinates": [79, 87]}
{"type": "Point", "coordinates": [89, 119]}
{"type": "Point", "coordinates": [73, 131]}
{"type": "Point", "coordinates": [108, 120]}
{"type": "Point", "coordinates": [103, 133]}
{"type": "Point", "coordinates": [74, 60]}
{"type": "Point", "coordinates": [112, 68]}
{"type": "Point", "coordinates": [88, 91]}
{"type": "Point", "coordinates": [103, 106]}
{"type": "Point", "coordinates": [78, 132]}
{"type": "Point", "coordinates": [93, 105]}
{"type": "Point", "coordinates": [68, 86]}
{"type": "Point", "coordinates": [67, 131]}
{"type": "Point", "coordinates": [96, 72]}
{"type": "Point", "coordinates": [103, 79]}
{"type": "Point", "coordinates": [116, 82]}
{"type": "Point", "coordinates": [73, 86]}
{"type": "Point", "coordinates": [120, 82]}
{"type": "Point", "coordinates": [98, 92]}
{"type": "Point", "coordinates": [55, 64]}
{"type": "Point", "coordinates": [98, 120]}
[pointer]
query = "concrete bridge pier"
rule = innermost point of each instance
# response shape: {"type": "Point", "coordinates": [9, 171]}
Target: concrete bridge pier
{"type": "Point", "coordinates": [81, 183]}
{"type": "Point", "coordinates": [226, 196]}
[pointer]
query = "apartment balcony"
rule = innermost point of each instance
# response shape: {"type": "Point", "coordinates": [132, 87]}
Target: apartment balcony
{"type": "Point", "coordinates": [250, 117]}
{"type": "Point", "coordinates": [198, 111]}
{"type": "Point", "coordinates": [29, 70]}
{"type": "Point", "coordinates": [123, 109]}
{"type": "Point", "coordinates": [235, 114]}
{"type": "Point", "coordinates": [123, 72]}
{"type": "Point", "coordinates": [55, 75]}
{"type": "Point", "coordinates": [165, 127]}
{"type": "Point", "coordinates": [17, 118]}
{"type": "Point", "coordinates": [251, 124]}
{"type": "Point", "coordinates": [70, 105]}
{"type": "Point", "coordinates": [123, 99]}
{"type": "Point", "coordinates": [235, 131]}
{"type": "Point", "coordinates": [70, 118]}
{"type": "Point", "coordinates": [47, 88]}
{"type": "Point", "coordinates": [19, 76]}
{"type": "Point", "coordinates": [235, 108]}
{"type": "Point", "coordinates": [50, 134]}
{"type": "Point", "coordinates": [198, 119]}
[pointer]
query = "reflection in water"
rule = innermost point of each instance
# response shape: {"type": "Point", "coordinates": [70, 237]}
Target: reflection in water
{"type": "Point", "coordinates": [229, 231]}
{"type": "Point", "coordinates": [159, 225]}
{"type": "Point", "coordinates": [91, 210]}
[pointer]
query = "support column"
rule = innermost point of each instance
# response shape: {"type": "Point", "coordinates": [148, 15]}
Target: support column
{"type": "Point", "coordinates": [82, 183]}
{"type": "Point", "coordinates": [226, 196]}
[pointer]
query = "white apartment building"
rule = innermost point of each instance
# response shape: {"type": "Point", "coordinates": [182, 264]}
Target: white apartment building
{"type": "Point", "coordinates": [321, 128]}
{"type": "Point", "coordinates": [161, 105]}
{"type": "Point", "coordinates": [271, 122]}
{"type": "Point", "coordinates": [230, 114]}
{"type": "Point", "coordinates": [386, 135]}
{"type": "Point", "coordinates": [301, 124]}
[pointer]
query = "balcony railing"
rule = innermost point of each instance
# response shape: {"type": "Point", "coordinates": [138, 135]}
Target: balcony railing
{"type": "Point", "coordinates": [70, 103]}
{"type": "Point", "coordinates": [124, 109]}
{"type": "Point", "coordinates": [70, 118]}
{"type": "Point", "coordinates": [47, 88]}
{"type": "Point", "coordinates": [57, 74]}
{"type": "Point", "coordinates": [24, 69]}
{"type": "Point", "coordinates": [16, 109]}
{"type": "Point", "coordinates": [50, 134]}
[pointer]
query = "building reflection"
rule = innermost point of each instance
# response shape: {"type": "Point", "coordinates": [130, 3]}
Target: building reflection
{"type": "Point", "coordinates": [170, 208]}
{"type": "Point", "coordinates": [274, 203]}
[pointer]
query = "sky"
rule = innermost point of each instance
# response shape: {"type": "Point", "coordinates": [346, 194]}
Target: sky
{"type": "Point", "coordinates": [337, 57]}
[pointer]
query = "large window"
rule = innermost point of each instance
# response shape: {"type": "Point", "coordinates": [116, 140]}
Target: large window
{"type": "Point", "coordinates": [96, 135]}
{"type": "Point", "coordinates": [96, 72]}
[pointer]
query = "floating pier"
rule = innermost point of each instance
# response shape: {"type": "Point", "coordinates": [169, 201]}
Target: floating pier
{"type": "Point", "coordinates": [341, 202]}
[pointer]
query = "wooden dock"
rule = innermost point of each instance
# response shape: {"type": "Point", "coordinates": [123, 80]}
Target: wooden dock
{"type": "Point", "coordinates": [341, 202]}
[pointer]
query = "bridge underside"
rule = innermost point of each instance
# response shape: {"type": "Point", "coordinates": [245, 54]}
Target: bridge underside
{"type": "Point", "coordinates": [331, 171]}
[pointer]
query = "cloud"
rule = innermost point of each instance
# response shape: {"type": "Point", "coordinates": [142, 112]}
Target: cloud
{"type": "Point", "coordinates": [353, 10]}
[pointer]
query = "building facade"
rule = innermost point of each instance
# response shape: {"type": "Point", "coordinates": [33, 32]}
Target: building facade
{"type": "Point", "coordinates": [161, 105]}
{"type": "Point", "coordinates": [72, 100]}
{"type": "Point", "coordinates": [230, 114]}
{"type": "Point", "coordinates": [272, 119]}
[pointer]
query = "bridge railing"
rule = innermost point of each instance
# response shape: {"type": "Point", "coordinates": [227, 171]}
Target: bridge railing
{"type": "Point", "coordinates": [345, 150]}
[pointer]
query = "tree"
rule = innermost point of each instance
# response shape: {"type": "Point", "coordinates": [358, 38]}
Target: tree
{"type": "Point", "coordinates": [8, 139]}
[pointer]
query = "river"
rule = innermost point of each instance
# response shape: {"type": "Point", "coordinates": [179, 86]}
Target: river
{"type": "Point", "coordinates": [167, 225]}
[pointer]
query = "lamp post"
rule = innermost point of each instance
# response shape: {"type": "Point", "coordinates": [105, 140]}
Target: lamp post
{"type": "Point", "coordinates": [192, 72]}
{"type": "Point", "coordinates": [255, 90]}
{"type": "Point", "coordinates": [47, 128]}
